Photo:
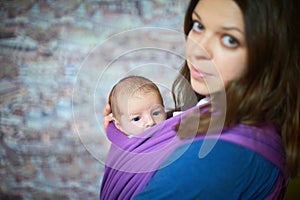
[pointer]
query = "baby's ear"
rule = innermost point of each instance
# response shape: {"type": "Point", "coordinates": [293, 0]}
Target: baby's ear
{"type": "Point", "coordinates": [117, 123]}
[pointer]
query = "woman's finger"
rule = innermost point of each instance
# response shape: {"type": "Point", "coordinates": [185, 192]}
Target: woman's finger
{"type": "Point", "coordinates": [107, 110]}
{"type": "Point", "coordinates": [106, 120]}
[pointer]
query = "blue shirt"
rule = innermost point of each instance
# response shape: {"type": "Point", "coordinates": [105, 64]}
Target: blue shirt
{"type": "Point", "coordinates": [229, 171]}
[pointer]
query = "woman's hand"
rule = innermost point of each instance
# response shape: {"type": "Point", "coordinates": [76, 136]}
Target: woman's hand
{"type": "Point", "coordinates": [108, 117]}
{"type": "Point", "coordinates": [195, 123]}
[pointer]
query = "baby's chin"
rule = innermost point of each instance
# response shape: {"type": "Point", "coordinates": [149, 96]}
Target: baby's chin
{"type": "Point", "coordinates": [134, 132]}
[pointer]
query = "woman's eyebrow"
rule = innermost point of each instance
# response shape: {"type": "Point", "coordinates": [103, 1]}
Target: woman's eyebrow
{"type": "Point", "coordinates": [230, 28]}
{"type": "Point", "coordinates": [224, 27]}
{"type": "Point", "coordinates": [197, 15]}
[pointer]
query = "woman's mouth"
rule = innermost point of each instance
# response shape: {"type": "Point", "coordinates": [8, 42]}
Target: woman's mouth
{"type": "Point", "coordinates": [197, 74]}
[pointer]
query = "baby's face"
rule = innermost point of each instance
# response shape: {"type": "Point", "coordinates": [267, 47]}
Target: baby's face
{"type": "Point", "coordinates": [141, 112]}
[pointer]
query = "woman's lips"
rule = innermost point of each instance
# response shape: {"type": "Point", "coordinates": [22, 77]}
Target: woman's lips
{"type": "Point", "coordinates": [197, 74]}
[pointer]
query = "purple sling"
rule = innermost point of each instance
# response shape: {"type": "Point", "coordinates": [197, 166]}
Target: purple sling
{"type": "Point", "coordinates": [131, 162]}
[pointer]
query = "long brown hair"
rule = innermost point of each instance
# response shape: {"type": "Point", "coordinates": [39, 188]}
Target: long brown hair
{"type": "Point", "coordinates": [269, 90]}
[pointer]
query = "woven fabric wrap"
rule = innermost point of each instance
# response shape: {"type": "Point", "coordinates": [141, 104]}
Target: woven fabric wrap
{"type": "Point", "coordinates": [131, 162]}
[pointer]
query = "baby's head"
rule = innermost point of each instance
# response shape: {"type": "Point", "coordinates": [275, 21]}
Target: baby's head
{"type": "Point", "coordinates": [136, 105]}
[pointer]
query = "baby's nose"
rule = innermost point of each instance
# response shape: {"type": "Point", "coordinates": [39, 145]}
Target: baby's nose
{"type": "Point", "coordinates": [149, 122]}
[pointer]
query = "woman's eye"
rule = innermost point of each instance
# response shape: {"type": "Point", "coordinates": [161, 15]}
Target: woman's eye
{"type": "Point", "coordinates": [230, 41]}
{"type": "Point", "coordinates": [197, 26]}
{"type": "Point", "coordinates": [136, 119]}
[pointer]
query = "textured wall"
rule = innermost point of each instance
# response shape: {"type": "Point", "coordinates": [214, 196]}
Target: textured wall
{"type": "Point", "coordinates": [58, 61]}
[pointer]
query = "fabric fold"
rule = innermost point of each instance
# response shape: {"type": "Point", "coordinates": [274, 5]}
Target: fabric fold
{"type": "Point", "coordinates": [131, 162]}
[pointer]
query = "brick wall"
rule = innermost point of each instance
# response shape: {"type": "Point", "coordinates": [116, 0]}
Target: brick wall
{"type": "Point", "coordinates": [58, 62]}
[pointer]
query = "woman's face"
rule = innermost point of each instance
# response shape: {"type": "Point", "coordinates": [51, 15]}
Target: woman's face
{"type": "Point", "coordinates": [216, 48]}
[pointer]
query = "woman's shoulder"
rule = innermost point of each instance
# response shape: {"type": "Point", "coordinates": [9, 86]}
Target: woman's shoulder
{"type": "Point", "coordinates": [228, 170]}
{"type": "Point", "coordinates": [222, 152]}
{"type": "Point", "coordinates": [240, 149]}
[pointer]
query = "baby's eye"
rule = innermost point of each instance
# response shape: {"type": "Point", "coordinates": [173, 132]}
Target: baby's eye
{"type": "Point", "coordinates": [197, 26]}
{"type": "Point", "coordinates": [230, 42]}
{"type": "Point", "coordinates": [136, 119]}
{"type": "Point", "coordinates": [156, 113]}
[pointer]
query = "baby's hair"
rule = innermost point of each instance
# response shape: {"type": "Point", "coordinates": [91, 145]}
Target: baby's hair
{"type": "Point", "coordinates": [128, 87]}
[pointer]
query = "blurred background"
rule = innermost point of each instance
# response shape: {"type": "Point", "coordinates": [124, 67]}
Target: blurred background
{"type": "Point", "coordinates": [58, 62]}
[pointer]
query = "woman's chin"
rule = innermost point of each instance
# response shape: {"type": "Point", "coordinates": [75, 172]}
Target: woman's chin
{"type": "Point", "coordinates": [199, 87]}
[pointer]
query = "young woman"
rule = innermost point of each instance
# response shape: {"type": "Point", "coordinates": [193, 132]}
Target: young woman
{"type": "Point", "coordinates": [254, 48]}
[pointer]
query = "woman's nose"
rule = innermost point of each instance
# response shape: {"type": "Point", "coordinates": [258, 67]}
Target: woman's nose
{"type": "Point", "coordinates": [203, 46]}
